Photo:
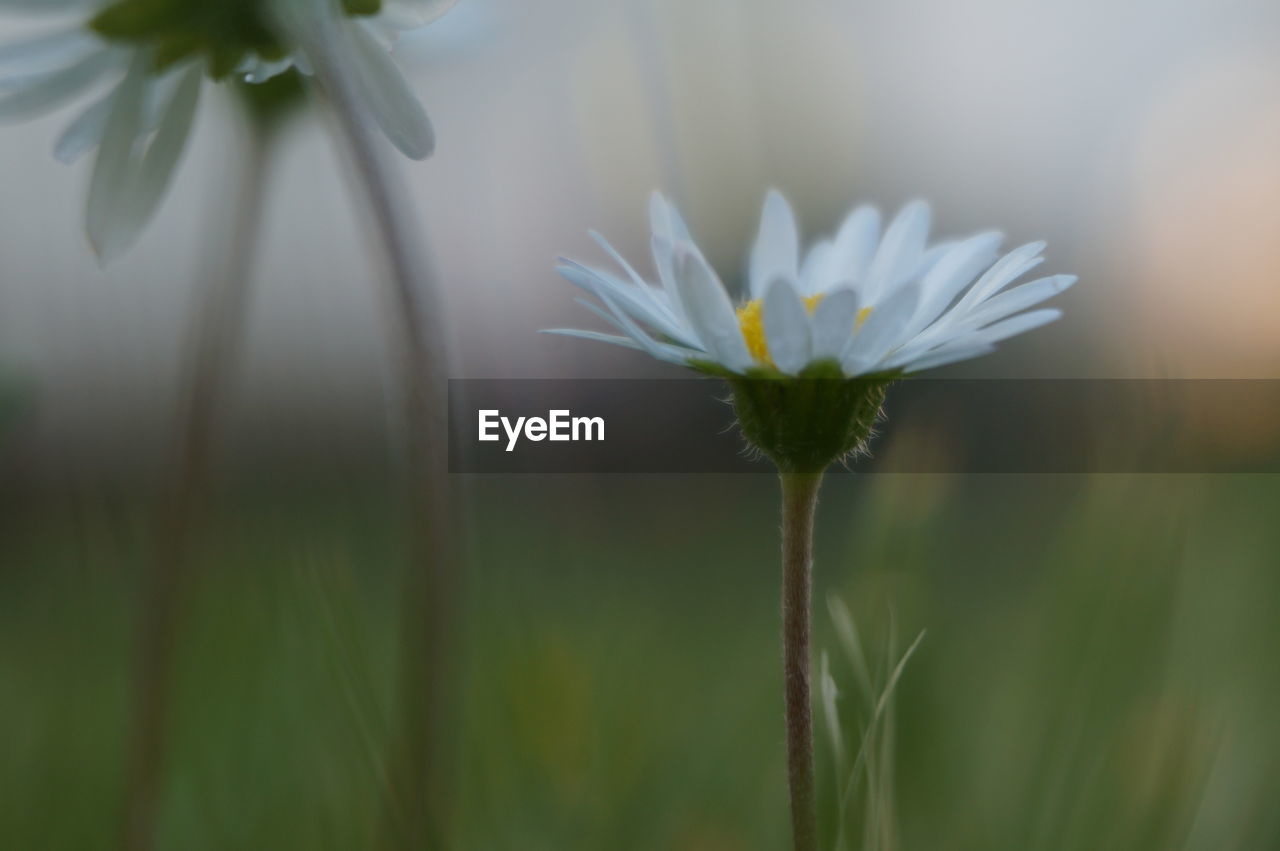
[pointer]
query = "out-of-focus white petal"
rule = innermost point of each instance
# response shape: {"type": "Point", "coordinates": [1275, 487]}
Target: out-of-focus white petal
{"type": "Point", "coordinates": [1008, 268]}
{"type": "Point", "coordinates": [156, 166]}
{"type": "Point", "coordinates": [114, 170]}
{"type": "Point", "coordinates": [1019, 324]}
{"type": "Point", "coordinates": [665, 220]}
{"type": "Point", "coordinates": [411, 14]}
{"type": "Point", "coordinates": [855, 245]}
{"type": "Point", "coordinates": [900, 250]}
{"type": "Point", "coordinates": [833, 322]}
{"type": "Point", "coordinates": [51, 51]}
{"type": "Point", "coordinates": [707, 306]}
{"type": "Point", "coordinates": [945, 355]}
{"type": "Point", "coordinates": [776, 252]}
{"type": "Point", "coordinates": [595, 336]}
{"type": "Point", "coordinates": [35, 95]}
{"type": "Point", "coordinates": [882, 330]}
{"type": "Point", "coordinates": [388, 97]}
{"type": "Point", "coordinates": [1016, 300]}
{"type": "Point", "coordinates": [627, 297]}
{"type": "Point", "coordinates": [951, 274]}
{"type": "Point", "coordinates": [84, 133]}
{"type": "Point", "coordinates": [786, 327]}
{"type": "Point", "coordinates": [815, 271]}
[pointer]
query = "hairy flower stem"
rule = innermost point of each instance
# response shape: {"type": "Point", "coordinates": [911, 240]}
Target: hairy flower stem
{"type": "Point", "coordinates": [431, 597]}
{"type": "Point", "coordinates": [217, 327]}
{"type": "Point", "coordinates": [799, 500]}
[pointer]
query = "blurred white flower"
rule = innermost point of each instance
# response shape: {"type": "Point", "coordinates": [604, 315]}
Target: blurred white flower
{"type": "Point", "coordinates": [146, 60]}
{"type": "Point", "coordinates": [861, 303]}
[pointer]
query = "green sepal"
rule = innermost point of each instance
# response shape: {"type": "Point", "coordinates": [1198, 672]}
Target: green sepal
{"type": "Point", "coordinates": [133, 20]}
{"type": "Point", "coordinates": [172, 51]}
{"type": "Point", "coordinates": [224, 59]}
{"type": "Point", "coordinates": [805, 424]}
{"type": "Point", "coordinates": [361, 8]}
{"type": "Point", "coordinates": [273, 100]}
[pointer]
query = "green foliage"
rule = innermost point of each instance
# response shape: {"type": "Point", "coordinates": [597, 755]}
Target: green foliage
{"type": "Point", "coordinates": [1099, 672]}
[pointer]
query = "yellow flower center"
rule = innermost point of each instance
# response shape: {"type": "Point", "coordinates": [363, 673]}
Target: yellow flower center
{"type": "Point", "coordinates": [751, 321]}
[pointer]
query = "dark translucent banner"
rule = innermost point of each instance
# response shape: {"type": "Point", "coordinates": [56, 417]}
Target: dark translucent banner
{"type": "Point", "coordinates": [930, 426]}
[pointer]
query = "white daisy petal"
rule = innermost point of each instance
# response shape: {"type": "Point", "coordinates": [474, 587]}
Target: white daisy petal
{"type": "Point", "coordinates": [707, 306]}
{"type": "Point", "coordinates": [83, 134]}
{"type": "Point", "coordinates": [900, 250]}
{"type": "Point", "coordinates": [1004, 271]}
{"type": "Point", "coordinates": [593, 281]}
{"type": "Point", "coordinates": [951, 274]}
{"type": "Point", "coordinates": [388, 97]}
{"type": "Point", "coordinates": [882, 331]}
{"type": "Point", "coordinates": [786, 327]}
{"type": "Point", "coordinates": [411, 14]}
{"type": "Point", "coordinates": [833, 322]}
{"type": "Point", "coordinates": [41, 93]}
{"type": "Point", "coordinates": [114, 169]}
{"type": "Point", "coordinates": [156, 167]}
{"type": "Point", "coordinates": [815, 272]}
{"type": "Point", "coordinates": [947, 354]}
{"type": "Point", "coordinates": [776, 252]}
{"type": "Point", "coordinates": [595, 336]}
{"type": "Point", "coordinates": [665, 220]}
{"type": "Point", "coordinates": [1017, 299]}
{"type": "Point", "coordinates": [661, 351]}
{"type": "Point", "coordinates": [1019, 324]}
{"type": "Point", "coordinates": [855, 245]}
{"type": "Point", "coordinates": [51, 51]}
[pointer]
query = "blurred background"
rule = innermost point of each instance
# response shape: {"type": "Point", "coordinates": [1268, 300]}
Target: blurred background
{"type": "Point", "coordinates": [1098, 670]}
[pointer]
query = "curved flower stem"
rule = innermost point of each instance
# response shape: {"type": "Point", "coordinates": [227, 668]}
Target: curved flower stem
{"type": "Point", "coordinates": [217, 326]}
{"type": "Point", "coordinates": [799, 499]}
{"type": "Point", "coordinates": [431, 598]}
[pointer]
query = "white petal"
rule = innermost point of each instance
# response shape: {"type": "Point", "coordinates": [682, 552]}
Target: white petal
{"type": "Point", "coordinates": [948, 354]}
{"type": "Point", "coordinates": [881, 332]}
{"type": "Point", "coordinates": [158, 164]}
{"type": "Point", "coordinates": [833, 322]}
{"type": "Point", "coordinates": [815, 272]}
{"type": "Point", "coordinates": [641, 284]}
{"type": "Point", "coordinates": [40, 93]}
{"type": "Point", "coordinates": [900, 250]}
{"type": "Point", "coordinates": [776, 252]}
{"type": "Point", "coordinates": [411, 14]}
{"type": "Point", "coordinates": [596, 336]}
{"type": "Point", "coordinates": [951, 274]}
{"type": "Point", "coordinates": [1017, 299]}
{"type": "Point", "coordinates": [786, 327]}
{"type": "Point", "coordinates": [50, 51]}
{"type": "Point", "coordinates": [1017, 325]}
{"type": "Point", "coordinates": [114, 169]}
{"type": "Point", "coordinates": [84, 133]}
{"type": "Point", "coordinates": [661, 351]}
{"type": "Point", "coordinates": [855, 245]}
{"type": "Point", "coordinates": [1005, 270]}
{"type": "Point", "coordinates": [665, 220]}
{"type": "Point", "coordinates": [707, 306]}
{"type": "Point", "coordinates": [594, 281]}
{"type": "Point", "coordinates": [387, 96]}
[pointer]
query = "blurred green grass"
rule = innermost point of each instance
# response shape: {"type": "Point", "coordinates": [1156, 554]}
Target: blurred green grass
{"type": "Point", "coordinates": [1100, 670]}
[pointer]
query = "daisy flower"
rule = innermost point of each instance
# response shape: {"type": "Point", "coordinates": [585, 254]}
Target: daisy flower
{"type": "Point", "coordinates": [141, 65]}
{"type": "Point", "coordinates": [860, 303]}
{"type": "Point", "coordinates": [809, 354]}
